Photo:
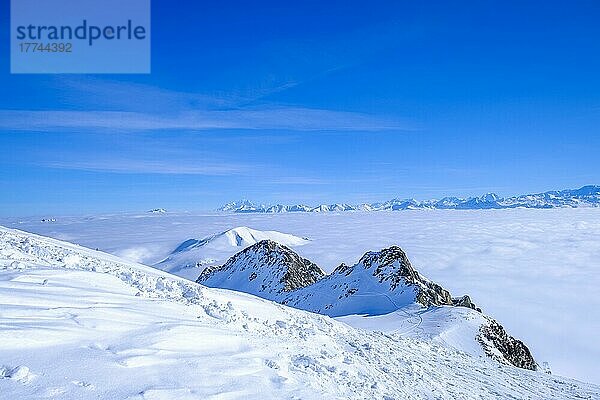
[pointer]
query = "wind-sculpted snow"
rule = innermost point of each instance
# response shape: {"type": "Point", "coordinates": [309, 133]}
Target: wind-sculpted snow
{"type": "Point", "coordinates": [80, 324]}
{"type": "Point", "coordinates": [587, 196]}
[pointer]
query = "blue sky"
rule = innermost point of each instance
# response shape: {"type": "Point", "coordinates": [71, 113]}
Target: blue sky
{"type": "Point", "coordinates": [313, 102]}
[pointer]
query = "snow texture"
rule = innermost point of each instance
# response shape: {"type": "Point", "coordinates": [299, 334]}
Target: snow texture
{"type": "Point", "coordinates": [81, 324]}
{"type": "Point", "coordinates": [535, 270]}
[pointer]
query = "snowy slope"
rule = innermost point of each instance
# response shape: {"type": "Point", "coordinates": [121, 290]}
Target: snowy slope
{"type": "Point", "coordinates": [545, 260]}
{"type": "Point", "coordinates": [80, 324]}
{"type": "Point", "coordinates": [193, 255]}
{"type": "Point", "coordinates": [448, 326]}
{"type": "Point", "coordinates": [460, 328]}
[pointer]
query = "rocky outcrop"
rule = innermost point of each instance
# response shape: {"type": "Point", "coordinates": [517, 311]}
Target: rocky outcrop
{"type": "Point", "coordinates": [465, 301]}
{"type": "Point", "coordinates": [504, 348]}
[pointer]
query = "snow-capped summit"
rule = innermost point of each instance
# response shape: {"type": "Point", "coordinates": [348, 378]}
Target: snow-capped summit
{"type": "Point", "coordinates": [392, 265]}
{"type": "Point", "coordinates": [242, 206]}
{"type": "Point", "coordinates": [589, 191]}
{"type": "Point", "coordinates": [381, 282]}
{"type": "Point", "coordinates": [334, 207]}
{"type": "Point", "coordinates": [280, 208]}
{"type": "Point", "coordinates": [488, 200]}
{"type": "Point", "coordinates": [321, 208]}
{"type": "Point", "coordinates": [241, 236]}
{"type": "Point", "coordinates": [192, 254]}
{"type": "Point", "coordinates": [277, 208]}
{"type": "Point", "coordinates": [266, 269]}
{"type": "Point", "coordinates": [489, 197]}
{"type": "Point", "coordinates": [448, 202]}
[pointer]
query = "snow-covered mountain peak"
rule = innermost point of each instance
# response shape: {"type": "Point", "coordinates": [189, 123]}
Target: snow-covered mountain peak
{"type": "Point", "coordinates": [392, 268]}
{"type": "Point", "coordinates": [267, 269]}
{"type": "Point", "coordinates": [387, 257]}
{"type": "Point", "coordinates": [489, 197]}
{"type": "Point", "coordinates": [588, 190]}
{"type": "Point", "coordinates": [389, 264]}
{"type": "Point", "coordinates": [192, 254]}
{"type": "Point", "coordinates": [386, 277]}
{"type": "Point", "coordinates": [241, 206]}
{"type": "Point", "coordinates": [241, 236]}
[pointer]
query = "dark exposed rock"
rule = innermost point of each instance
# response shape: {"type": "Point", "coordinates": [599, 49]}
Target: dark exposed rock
{"type": "Point", "coordinates": [384, 259]}
{"type": "Point", "coordinates": [494, 339]}
{"type": "Point", "coordinates": [342, 269]}
{"type": "Point", "coordinates": [465, 301]}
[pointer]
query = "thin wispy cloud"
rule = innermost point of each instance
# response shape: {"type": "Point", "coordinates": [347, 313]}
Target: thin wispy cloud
{"type": "Point", "coordinates": [105, 94]}
{"type": "Point", "coordinates": [98, 105]}
{"type": "Point", "coordinates": [150, 167]}
{"type": "Point", "coordinates": [296, 180]}
{"type": "Point", "coordinates": [285, 118]}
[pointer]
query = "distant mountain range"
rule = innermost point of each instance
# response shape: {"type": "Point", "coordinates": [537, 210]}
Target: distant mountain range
{"type": "Point", "coordinates": [587, 196]}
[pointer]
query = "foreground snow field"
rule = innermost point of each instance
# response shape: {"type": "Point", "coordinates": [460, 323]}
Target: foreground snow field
{"type": "Point", "coordinates": [78, 324]}
{"type": "Point", "coordinates": [536, 271]}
